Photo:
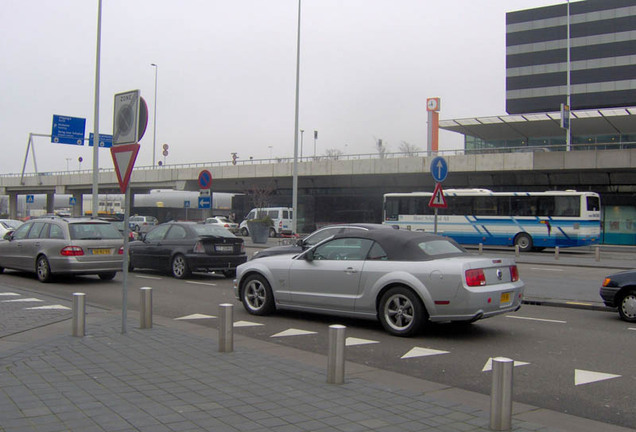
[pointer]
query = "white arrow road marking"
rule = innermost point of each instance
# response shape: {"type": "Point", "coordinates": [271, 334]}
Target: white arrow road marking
{"type": "Point", "coordinates": [51, 307]}
{"type": "Point", "coordinates": [585, 377]}
{"type": "Point", "coordinates": [536, 319]}
{"type": "Point", "coordinates": [293, 332]}
{"type": "Point", "coordinates": [8, 294]}
{"type": "Point", "coordinates": [351, 341]}
{"type": "Point", "coordinates": [201, 283]}
{"type": "Point", "coordinates": [22, 300]}
{"type": "Point", "coordinates": [247, 324]}
{"type": "Point", "coordinates": [148, 277]}
{"type": "Point", "coordinates": [195, 317]}
{"type": "Point", "coordinates": [488, 365]}
{"type": "Point", "coordinates": [422, 352]}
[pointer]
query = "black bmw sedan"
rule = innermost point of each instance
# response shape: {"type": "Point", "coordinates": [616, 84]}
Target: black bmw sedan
{"type": "Point", "coordinates": [185, 247]}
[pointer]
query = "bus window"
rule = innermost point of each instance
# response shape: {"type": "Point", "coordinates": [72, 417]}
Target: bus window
{"type": "Point", "coordinates": [567, 206]}
{"type": "Point", "coordinates": [593, 203]}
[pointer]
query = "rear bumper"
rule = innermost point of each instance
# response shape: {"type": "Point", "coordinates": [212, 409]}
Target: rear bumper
{"type": "Point", "coordinates": [74, 266]}
{"type": "Point", "coordinates": [198, 262]}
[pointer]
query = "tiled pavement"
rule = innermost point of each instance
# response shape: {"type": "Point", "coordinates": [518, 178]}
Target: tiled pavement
{"type": "Point", "coordinates": [172, 378]}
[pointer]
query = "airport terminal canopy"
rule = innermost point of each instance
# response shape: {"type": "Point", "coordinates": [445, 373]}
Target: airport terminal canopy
{"type": "Point", "coordinates": [523, 127]}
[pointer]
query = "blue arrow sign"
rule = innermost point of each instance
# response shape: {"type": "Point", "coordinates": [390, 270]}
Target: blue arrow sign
{"type": "Point", "coordinates": [439, 169]}
{"type": "Point", "coordinates": [204, 202]}
{"type": "Point", "coordinates": [68, 130]}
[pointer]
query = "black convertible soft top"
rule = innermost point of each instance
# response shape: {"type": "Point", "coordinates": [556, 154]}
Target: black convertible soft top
{"type": "Point", "coordinates": [403, 245]}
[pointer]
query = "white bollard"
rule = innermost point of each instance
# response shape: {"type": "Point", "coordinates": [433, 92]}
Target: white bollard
{"type": "Point", "coordinates": [79, 314]}
{"type": "Point", "coordinates": [516, 250]}
{"type": "Point", "coordinates": [336, 356]}
{"type": "Point", "coordinates": [501, 394]}
{"type": "Point", "coordinates": [556, 253]}
{"type": "Point", "coordinates": [226, 327]}
{"type": "Point", "coordinates": [597, 253]}
{"type": "Point", "coordinates": [145, 307]}
{"type": "Point", "coordinates": [481, 248]}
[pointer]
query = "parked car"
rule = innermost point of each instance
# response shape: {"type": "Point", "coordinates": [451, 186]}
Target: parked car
{"type": "Point", "coordinates": [7, 225]}
{"type": "Point", "coordinates": [141, 223]}
{"type": "Point", "coordinates": [120, 227]}
{"type": "Point", "coordinates": [185, 247]}
{"type": "Point", "coordinates": [281, 220]}
{"type": "Point", "coordinates": [54, 245]}
{"type": "Point", "coordinates": [619, 290]}
{"type": "Point", "coordinates": [232, 227]}
{"type": "Point", "coordinates": [404, 279]}
{"type": "Point", "coordinates": [316, 237]}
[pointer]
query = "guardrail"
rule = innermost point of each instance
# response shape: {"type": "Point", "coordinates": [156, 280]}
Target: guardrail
{"type": "Point", "coordinates": [392, 155]}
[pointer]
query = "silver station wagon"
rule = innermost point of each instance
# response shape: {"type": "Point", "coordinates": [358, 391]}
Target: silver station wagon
{"type": "Point", "coordinates": [402, 278]}
{"type": "Point", "coordinates": [55, 245]}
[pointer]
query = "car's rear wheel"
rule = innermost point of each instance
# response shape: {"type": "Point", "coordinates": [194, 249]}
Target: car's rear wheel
{"type": "Point", "coordinates": [43, 269]}
{"type": "Point", "coordinates": [272, 233]}
{"type": "Point", "coordinates": [401, 312]}
{"type": "Point", "coordinates": [524, 241]}
{"type": "Point", "coordinates": [257, 296]}
{"type": "Point", "coordinates": [107, 275]}
{"type": "Point", "coordinates": [627, 307]}
{"type": "Point", "coordinates": [180, 269]}
{"type": "Point", "coordinates": [244, 232]}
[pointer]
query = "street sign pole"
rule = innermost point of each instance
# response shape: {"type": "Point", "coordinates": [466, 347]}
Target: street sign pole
{"type": "Point", "coordinates": [124, 289]}
{"type": "Point", "coordinates": [435, 222]}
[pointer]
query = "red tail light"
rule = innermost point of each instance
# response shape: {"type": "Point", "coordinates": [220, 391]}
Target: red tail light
{"type": "Point", "coordinates": [514, 273]}
{"type": "Point", "coordinates": [242, 247]}
{"type": "Point", "coordinates": [72, 251]}
{"type": "Point", "coordinates": [120, 251]}
{"type": "Point", "coordinates": [198, 247]}
{"type": "Point", "coordinates": [475, 277]}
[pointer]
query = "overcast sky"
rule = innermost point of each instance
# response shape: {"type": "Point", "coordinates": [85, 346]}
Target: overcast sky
{"type": "Point", "coordinates": [226, 75]}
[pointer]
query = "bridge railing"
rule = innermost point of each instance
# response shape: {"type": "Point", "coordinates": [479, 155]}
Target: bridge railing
{"type": "Point", "coordinates": [344, 157]}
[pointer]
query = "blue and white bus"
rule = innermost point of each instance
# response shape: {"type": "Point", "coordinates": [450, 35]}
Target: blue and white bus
{"type": "Point", "coordinates": [531, 220]}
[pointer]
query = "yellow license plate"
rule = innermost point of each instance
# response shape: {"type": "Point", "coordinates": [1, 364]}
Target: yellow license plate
{"type": "Point", "coordinates": [101, 251]}
{"type": "Point", "coordinates": [505, 297]}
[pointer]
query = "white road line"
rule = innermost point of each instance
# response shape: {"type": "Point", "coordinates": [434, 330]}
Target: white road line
{"type": "Point", "coordinates": [148, 277]}
{"type": "Point", "coordinates": [50, 307]}
{"type": "Point", "coordinates": [201, 283]}
{"type": "Point", "coordinates": [23, 300]}
{"type": "Point", "coordinates": [536, 319]}
{"type": "Point", "coordinates": [195, 317]}
{"type": "Point", "coordinates": [631, 328]}
{"type": "Point", "coordinates": [293, 332]}
{"type": "Point", "coordinates": [546, 268]}
{"type": "Point", "coordinates": [8, 294]}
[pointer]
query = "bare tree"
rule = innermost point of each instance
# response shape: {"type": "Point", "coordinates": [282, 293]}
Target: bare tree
{"type": "Point", "coordinates": [333, 153]}
{"type": "Point", "coordinates": [260, 195]}
{"type": "Point", "coordinates": [408, 149]}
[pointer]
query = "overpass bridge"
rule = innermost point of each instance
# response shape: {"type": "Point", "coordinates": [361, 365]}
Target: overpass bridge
{"type": "Point", "coordinates": [356, 183]}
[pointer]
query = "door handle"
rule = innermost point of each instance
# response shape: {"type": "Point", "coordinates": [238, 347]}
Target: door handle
{"type": "Point", "coordinates": [350, 270]}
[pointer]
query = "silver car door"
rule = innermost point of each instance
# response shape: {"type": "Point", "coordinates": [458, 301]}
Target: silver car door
{"type": "Point", "coordinates": [330, 278]}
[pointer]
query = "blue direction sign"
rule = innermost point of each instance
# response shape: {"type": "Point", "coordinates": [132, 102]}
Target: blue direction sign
{"type": "Point", "coordinates": [105, 141]}
{"type": "Point", "coordinates": [439, 169]}
{"type": "Point", "coordinates": [72, 201]}
{"type": "Point", "coordinates": [204, 202]}
{"type": "Point", "coordinates": [186, 204]}
{"type": "Point", "coordinates": [30, 199]}
{"type": "Point", "coordinates": [68, 130]}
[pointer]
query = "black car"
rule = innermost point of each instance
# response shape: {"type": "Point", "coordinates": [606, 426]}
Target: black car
{"type": "Point", "coordinates": [318, 236]}
{"type": "Point", "coordinates": [185, 247]}
{"type": "Point", "coordinates": [619, 290]}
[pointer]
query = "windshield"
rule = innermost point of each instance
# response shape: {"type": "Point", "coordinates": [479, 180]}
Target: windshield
{"type": "Point", "coordinates": [93, 231]}
{"type": "Point", "coordinates": [212, 230]}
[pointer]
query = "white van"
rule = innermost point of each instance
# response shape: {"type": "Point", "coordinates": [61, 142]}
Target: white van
{"type": "Point", "coordinates": [281, 216]}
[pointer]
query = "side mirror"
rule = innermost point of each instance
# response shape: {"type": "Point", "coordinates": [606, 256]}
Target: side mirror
{"type": "Point", "coordinates": [309, 255]}
{"type": "Point", "coordinates": [8, 235]}
{"type": "Point", "coordinates": [300, 242]}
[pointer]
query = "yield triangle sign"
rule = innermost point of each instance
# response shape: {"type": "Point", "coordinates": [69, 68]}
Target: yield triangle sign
{"type": "Point", "coordinates": [124, 157]}
{"type": "Point", "coordinates": [438, 200]}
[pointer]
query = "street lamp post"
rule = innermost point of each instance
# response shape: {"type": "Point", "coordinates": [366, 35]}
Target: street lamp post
{"type": "Point", "coordinates": [302, 131]}
{"type": "Point", "coordinates": [295, 167]}
{"type": "Point", "coordinates": [154, 118]}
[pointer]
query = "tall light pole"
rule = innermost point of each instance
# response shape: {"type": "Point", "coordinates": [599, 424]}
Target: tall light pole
{"type": "Point", "coordinates": [302, 131]}
{"type": "Point", "coordinates": [295, 169]}
{"type": "Point", "coordinates": [95, 190]}
{"type": "Point", "coordinates": [154, 118]}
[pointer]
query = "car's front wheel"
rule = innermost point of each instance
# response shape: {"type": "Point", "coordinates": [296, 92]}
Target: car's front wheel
{"type": "Point", "coordinates": [43, 269]}
{"type": "Point", "coordinates": [180, 269]}
{"type": "Point", "coordinates": [257, 296]}
{"type": "Point", "coordinates": [401, 312]}
{"type": "Point", "coordinates": [627, 307]}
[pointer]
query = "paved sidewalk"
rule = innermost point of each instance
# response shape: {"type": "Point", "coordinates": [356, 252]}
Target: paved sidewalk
{"type": "Point", "coordinates": [172, 378]}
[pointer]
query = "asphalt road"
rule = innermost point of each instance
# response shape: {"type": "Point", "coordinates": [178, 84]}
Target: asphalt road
{"type": "Point", "coordinates": [570, 360]}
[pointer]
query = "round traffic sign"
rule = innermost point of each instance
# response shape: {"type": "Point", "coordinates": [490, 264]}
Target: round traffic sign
{"type": "Point", "coordinates": [205, 179]}
{"type": "Point", "coordinates": [439, 169]}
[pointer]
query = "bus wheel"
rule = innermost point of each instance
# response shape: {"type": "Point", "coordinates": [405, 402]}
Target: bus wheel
{"type": "Point", "coordinates": [524, 241]}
